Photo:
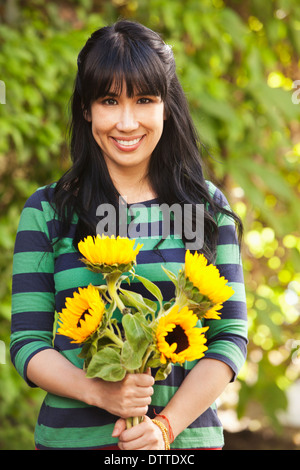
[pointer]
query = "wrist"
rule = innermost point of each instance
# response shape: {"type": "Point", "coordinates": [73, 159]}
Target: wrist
{"type": "Point", "coordinates": [164, 432]}
{"type": "Point", "coordinates": [91, 392]}
{"type": "Point", "coordinates": [166, 422]}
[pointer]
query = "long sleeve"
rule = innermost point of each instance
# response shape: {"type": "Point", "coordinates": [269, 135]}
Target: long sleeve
{"type": "Point", "coordinates": [227, 337]}
{"type": "Point", "coordinates": [33, 302]}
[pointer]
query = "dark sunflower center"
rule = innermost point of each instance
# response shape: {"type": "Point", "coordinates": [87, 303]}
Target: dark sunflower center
{"type": "Point", "coordinates": [178, 336]}
{"type": "Point", "coordinates": [82, 318]}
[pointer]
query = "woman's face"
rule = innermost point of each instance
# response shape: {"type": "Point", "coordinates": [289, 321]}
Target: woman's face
{"type": "Point", "coordinates": [127, 129]}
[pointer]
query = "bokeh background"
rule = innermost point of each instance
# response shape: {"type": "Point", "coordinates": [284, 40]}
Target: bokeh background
{"type": "Point", "coordinates": [238, 62]}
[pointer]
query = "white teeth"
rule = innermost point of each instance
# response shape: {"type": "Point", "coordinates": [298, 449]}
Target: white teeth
{"type": "Point", "coordinates": [128, 143]}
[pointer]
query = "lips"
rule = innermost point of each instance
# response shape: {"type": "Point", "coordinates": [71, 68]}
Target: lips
{"type": "Point", "coordinates": [127, 144]}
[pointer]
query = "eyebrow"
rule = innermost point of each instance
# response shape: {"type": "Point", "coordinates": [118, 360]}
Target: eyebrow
{"type": "Point", "coordinates": [112, 94]}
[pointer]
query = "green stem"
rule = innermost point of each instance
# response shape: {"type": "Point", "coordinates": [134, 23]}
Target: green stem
{"type": "Point", "coordinates": [135, 420]}
{"type": "Point", "coordinates": [111, 281]}
{"type": "Point", "coordinates": [129, 423]}
{"type": "Point", "coordinates": [111, 335]}
{"type": "Point", "coordinates": [146, 357]}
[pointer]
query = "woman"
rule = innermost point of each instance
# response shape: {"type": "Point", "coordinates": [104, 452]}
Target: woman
{"type": "Point", "coordinates": [131, 136]}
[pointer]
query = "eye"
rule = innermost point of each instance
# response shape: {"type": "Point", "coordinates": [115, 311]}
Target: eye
{"type": "Point", "coordinates": [144, 100]}
{"type": "Point", "coordinates": [110, 102]}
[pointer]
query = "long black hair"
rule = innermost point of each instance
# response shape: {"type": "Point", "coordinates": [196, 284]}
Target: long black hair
{"type": "Point", "coordinates": [131, 54]}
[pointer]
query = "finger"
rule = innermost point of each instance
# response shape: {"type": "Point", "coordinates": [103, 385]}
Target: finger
{"type": "Point", "coordinates": [142, 380]}
{"type": "Point", "coordinates": [140, 437]}
{"type": "Point", "coordinates": [120, 426]}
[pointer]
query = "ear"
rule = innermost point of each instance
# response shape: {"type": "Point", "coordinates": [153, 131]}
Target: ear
{"type": "Point", "coordinates": [86, 114]}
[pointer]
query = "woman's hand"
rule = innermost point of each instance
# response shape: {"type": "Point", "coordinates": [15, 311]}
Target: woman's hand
{"type": "Point", "coordinates": [143, 436]}
{"type": "Point", "coordinates": [127, 398]}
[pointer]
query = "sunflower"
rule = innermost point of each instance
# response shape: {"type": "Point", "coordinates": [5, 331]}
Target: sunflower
{"type": "Point", "coordinates": [82, 314]}
{"type": "Point", "coordinates": [105, 254]}
{"type": "Point", "coordinates": [206, 278]}
{"type": "Point", "coordinates": [178, 338]}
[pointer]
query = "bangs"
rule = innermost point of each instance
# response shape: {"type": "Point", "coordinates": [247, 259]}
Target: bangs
{"type": "Point", "coordinates": [135, 65]}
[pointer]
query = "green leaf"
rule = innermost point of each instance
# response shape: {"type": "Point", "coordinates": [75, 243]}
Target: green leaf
{"type": "Point", "coordinates": [151, 287]}
{"type": "Point", "coordinates": [138, 337]}
{"type": "Point", "coordinates": [163, 371]}
{"type": "Point", "coordinates": [106, 365]}
{"type": "Point", "coordinates": [137, 331]}
{"type": "Point", "coordinates": [170, 275]}
{"type": "Point", "coordinates": [132, 359]}
{"type": "Point", "coordinates": [132, 299]}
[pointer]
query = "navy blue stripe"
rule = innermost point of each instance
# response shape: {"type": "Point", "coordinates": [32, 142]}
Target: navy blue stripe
{"type": "Point", "coordinates": [33, 282]}
{"type": "Point", "coordinates": [39, 321]}
{"type": "Point", "coordinates": [227, 235]}
{"type": "Point", "coordinates": [232, 272]}
{"type": "Point", "coordinates": [68, 261]}
{"type": "Point", "coordinates": [34, 201]}
{"type": "Point", "coordinates": [75, 418]}
{"type": "Point", "coordinates": [38, 197]}
{"type": "Point", "coordinates": [63, 343]}
{"type": "Point", "coordinates": [167, 289]}
{"type": "Point", "coordinates": [209, 418]}
{"type": "Point", "coordinates": [161, 255]}
{"type": "Point", "coordinates": [219, 198]}
{"type": "Point", "coordinates": [54, 229]}
{"type": "Point", "coordinates": [31, 240]}
{"type": "Point", "coordinates": [234, 309]}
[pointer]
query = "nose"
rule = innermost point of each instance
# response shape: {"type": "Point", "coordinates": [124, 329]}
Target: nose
{"type": "Point", "coordinates": [127, 121]}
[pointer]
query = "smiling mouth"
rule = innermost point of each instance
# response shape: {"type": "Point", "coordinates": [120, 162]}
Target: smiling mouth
{"type": "Point", "coordinates": [128, 143]}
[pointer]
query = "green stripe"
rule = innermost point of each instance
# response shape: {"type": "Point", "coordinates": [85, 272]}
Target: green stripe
{"type": "Point", "coordinates": [72, 356]}
{"type": "Point", "coordinates": [73, 437]}
{"type": "Point", "coordinates": [77, 277]}
{"type": "Point", "coordinates": [229, 350]}
{"type": "Point", "coordinates": [228, 254]}
{"type": "Point", "coordinates": [199, 437]}
{"type": "Point", "coordinates": [64, 403]}
{"type": "Point", "coordinates": [33, 302]}
{"type": "Point", "coordinates": [32, 219]}
{"type": "Point", "coordinates": [232, 326]}
{"type": "Point", "coordinates": [224, 219]}
{"type": "Point", "coordinates": [239, 292]}
{"type": "Point", "coordinates": [33, 262]}
{"type": "Point", "coordinates": [155, 271]}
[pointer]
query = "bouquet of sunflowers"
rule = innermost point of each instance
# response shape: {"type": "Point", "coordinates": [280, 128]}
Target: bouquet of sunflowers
{"type": "Point", "coordinates": [153, 334]}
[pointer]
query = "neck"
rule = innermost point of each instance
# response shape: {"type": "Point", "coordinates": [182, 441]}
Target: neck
{"type": "Point", "coordinates": [132, 186]}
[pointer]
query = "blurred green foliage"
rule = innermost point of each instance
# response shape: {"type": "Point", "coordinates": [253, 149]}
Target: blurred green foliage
{"type": "Point", "coordinates": [237, 62]}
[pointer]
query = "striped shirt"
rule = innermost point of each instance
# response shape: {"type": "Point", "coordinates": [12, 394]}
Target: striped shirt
{"type": "Point", "coordinates": [45, 273]}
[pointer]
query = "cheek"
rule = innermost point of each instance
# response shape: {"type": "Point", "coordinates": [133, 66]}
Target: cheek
{"type": "Point", "coordinates": [100, 128]}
